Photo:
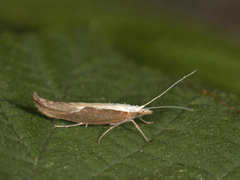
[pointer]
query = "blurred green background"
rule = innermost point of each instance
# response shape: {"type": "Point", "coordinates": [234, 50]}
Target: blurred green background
{"type": "Point", "coordinates": [173, 36]}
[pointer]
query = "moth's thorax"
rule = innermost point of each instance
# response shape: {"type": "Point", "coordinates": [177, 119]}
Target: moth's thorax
{"type": "Point", "coordinates": [142, 112]}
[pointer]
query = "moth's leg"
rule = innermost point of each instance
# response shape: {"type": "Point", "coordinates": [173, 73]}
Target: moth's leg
{"type": "Point", "coordinates": [139, 129]}
{"type": "Point", "coordinates": [86, 126]}
{"type": "Point", "coordinates": [114, 125]}
{"type": "Point", "coordinates": [145, 121]}
{"type": "Point", "coordinates": [78, 124]}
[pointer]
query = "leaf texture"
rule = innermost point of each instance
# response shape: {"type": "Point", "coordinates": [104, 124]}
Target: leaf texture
{"type": "Point", "coordinates": [202, 144]}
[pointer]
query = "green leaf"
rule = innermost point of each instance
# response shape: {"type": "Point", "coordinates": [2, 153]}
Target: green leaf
{"type": "Point", "coordinates": [202, 144]}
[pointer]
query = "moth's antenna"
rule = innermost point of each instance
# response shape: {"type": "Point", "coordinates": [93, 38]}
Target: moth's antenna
{"type": "Point", "coordinates": [168, 88]}
{"type": "Point", "coordinates": [176, 107]}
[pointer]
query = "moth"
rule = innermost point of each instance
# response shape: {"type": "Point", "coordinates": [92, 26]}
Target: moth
{"type": "Point", "coordinates": [114, 114]}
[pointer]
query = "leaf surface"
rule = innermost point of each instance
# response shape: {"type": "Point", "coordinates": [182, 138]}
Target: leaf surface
{"type": "Point", "coordinates": [75, 68]}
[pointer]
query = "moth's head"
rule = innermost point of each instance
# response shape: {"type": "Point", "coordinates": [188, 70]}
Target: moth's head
{"type": "Point", "coordinates": [143, 112]}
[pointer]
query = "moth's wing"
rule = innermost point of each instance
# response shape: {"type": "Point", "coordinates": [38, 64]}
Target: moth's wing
{"type": "Point", "coordinates": [87, 113]}
{"type": "Point", "coordinates": [53, 109]}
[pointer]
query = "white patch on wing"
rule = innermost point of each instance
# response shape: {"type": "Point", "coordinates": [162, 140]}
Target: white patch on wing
{"type": "Point", "coordinates": [117, 107]}
{"type": "Point", "coordinates": [112, 106]}
{"type": "Point", "coordinates": [79, 108]}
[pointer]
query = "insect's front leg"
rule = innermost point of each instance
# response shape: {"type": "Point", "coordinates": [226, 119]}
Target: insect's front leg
{"type": "Point", "coordinates": [145, 121]}
{"type": "Point", "coordinates": [139, 129]}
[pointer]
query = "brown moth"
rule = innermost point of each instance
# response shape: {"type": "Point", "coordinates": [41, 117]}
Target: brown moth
{"type": "Point", "coordinates": [100, 113]}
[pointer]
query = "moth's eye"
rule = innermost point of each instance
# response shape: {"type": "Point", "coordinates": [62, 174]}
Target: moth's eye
{"type": "Point", "coordinates": [138, 114]}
